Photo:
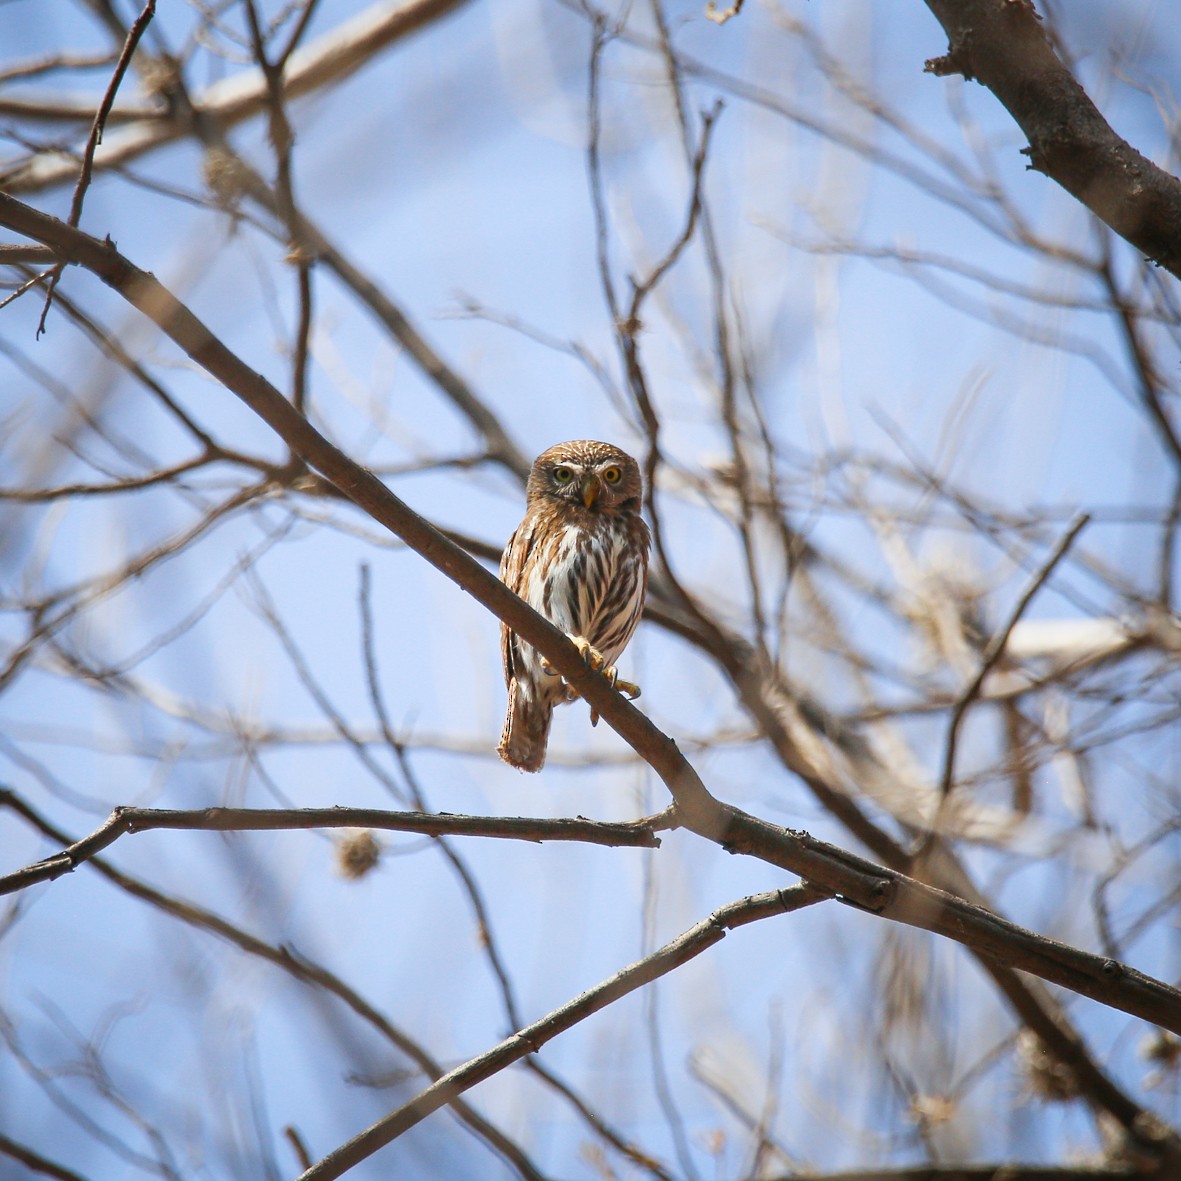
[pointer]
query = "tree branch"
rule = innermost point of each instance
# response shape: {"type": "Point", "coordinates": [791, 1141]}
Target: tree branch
{"type": "Point", "coordinates": [1001, 44]}
{"type": "Point", "coordinates": [299, 967]}
{"type": "Point", "coordinates": [131, 820]}
{"type": "Point", "coordinates": [529, 1040]}
{"type": "Point", "coordinates": [996, 648]}
{"type": "Point", "coordinates": [336, 55]}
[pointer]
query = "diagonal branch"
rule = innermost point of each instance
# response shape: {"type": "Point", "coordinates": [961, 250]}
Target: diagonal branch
{"type": "Point", "coordinates": [35, 1162]}
{"type": "Point", "coordinates": [333, 57]}
{"type": "Point", "coordinates": [1002, 45]}
{"type": "Point", "coordinates": [529, 1040]}
{"type": "Point", "coordinates": [98, 125]}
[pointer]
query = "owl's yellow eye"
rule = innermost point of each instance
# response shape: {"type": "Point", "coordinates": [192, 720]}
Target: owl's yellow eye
{"type": "Point", "coordinates": [612, 475]}
{"type": "Point", "coordinates": [563, 475]}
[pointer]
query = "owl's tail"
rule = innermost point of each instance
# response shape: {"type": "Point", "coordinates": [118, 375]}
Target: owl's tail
{"type": "Point", "coordinates": [526, 729]}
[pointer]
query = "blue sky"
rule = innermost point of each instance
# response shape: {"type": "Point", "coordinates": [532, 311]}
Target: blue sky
{"type": "Point", "coordinates": [453, 167]}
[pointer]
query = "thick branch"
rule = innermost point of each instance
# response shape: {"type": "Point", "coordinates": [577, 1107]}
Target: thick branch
{"type": "Point", "coordinates": [1001, 44]}
{"type": "Point", "coordinates": [35, 1162]}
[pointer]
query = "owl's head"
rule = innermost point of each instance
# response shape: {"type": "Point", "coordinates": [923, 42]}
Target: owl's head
{"type": "Point", "coordinates": [596, 476]}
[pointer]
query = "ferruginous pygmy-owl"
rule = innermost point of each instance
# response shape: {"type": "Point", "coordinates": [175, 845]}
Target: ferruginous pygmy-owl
{"type": "Point", "coordinates": [580, 558]}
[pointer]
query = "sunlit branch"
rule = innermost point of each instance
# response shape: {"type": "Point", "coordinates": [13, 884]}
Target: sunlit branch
{"type": "Point", "coordinates": [335, 55]}
{"type": "Point", "coordinates": [125, 820]}
{"type": "Point", "coordinates": [14, 255]}
{"type": "Point", "coordinates": [1002, 45]}
{"type": "Point", "coordinates": [529, 1040]}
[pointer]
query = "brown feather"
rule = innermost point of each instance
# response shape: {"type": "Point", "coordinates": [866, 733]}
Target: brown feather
{"type": "Point", "coordinates": [580, 558]}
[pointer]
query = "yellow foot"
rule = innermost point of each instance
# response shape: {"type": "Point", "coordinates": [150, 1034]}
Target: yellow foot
{"type": "Point", "coordinates": [628, 688]}
{"type": "Point", "coordinates": [591, 656]}
{"type": "Point", "coordinates": [596, 660]}
{"type": "Point", "coordinates": [589, 653]}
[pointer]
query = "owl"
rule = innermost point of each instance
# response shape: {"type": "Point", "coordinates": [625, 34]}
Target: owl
{"type": "Point", "coordinates": [580, 558]}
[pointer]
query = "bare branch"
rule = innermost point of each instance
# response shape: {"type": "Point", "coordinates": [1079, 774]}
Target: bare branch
{"type": "Point", "coordinates": [333, 57]}
{"type": "Point", "coordinates": [124, 820]}
{"type": "Point", "coordinates": [529, 1040]}
{"type": "Point", "coordinates": [35, 1162]}
{"type": "Point", "coordinates": [1001, 44]}
{"type": "Point", "coordinates": [996, 648]}
{"type": "Point", "coordinates": [299, 967]}
{"type": "Point", "coordinates": [137, 30]}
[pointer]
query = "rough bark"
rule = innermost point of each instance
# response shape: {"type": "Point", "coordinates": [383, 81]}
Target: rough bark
{"type": "Point", "coordinates": [1003, 45]}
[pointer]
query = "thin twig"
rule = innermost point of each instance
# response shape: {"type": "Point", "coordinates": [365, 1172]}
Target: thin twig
{"type": "Point", "coordinates": [1168, 548]}
{"type": "Point", "coordinates": [28, 285]}
{"type": "Point", "coordinates": [339, 53]}
{"type": "Point", "coordinates": [996, 648]}
{"type": "Point", "coordinates": [282, 140]}
{"type": "Point", "coordinates": [137, 30]}
{"type": "Point", "coordinates": [131, 484]}
{"type": "Point", "coordinates": [292, 1136]}
{"type": "Point", "coordinates": [643, 287]}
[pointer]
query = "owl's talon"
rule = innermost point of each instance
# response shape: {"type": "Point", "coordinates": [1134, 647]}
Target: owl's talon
{"type": "Point", "coordinates": [589, 653]}
{"type": "Point", "coordinates": [628, 688]}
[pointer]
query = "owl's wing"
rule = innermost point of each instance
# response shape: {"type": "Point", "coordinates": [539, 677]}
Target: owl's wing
{"type": "Point", "coordinates": [512, 570]}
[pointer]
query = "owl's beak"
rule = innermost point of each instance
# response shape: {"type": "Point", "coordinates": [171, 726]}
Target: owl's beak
{"type": "Point", "coordinates": [589, 488]}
